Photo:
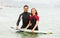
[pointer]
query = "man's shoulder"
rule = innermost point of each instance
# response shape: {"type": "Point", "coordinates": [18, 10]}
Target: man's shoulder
{"type": "Point", "coordinates": [28, 12]}
{"type": "Point", "coordinates": [21, 14]}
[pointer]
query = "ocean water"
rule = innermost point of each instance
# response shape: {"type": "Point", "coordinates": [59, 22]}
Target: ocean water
{"type": "Point", "coordinates": [49, 21]}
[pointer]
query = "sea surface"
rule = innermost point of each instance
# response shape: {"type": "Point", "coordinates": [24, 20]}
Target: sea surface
{"type": "Point", "coordinates": [49, 22]}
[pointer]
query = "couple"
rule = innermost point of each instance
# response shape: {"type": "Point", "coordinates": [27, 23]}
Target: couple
{"type": "Point", "coordinates": [30, 20]}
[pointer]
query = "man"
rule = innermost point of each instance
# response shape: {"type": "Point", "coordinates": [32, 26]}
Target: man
{"type": "Point", "coordinates": [25, 17]}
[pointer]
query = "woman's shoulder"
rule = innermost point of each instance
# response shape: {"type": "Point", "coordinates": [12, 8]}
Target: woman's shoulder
{"type": "Point", "coordinates": [36, 16]}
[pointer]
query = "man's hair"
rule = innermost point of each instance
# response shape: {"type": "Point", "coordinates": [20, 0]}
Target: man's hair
{"type": "Point", "coordinates": [26, 6]}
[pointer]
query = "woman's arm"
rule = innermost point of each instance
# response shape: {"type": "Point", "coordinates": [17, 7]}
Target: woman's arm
{"type": "Point", "coordinates": [37, 21]}
{"type": "Point", "coordinates": [35, 25]}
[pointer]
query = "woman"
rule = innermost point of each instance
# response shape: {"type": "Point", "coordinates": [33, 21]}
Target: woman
{"type": "Point", "coordinates": [33, 22]}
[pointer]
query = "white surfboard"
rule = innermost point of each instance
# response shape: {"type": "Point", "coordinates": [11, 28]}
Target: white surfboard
{"type": "Point", "coordinates": [29, 31]}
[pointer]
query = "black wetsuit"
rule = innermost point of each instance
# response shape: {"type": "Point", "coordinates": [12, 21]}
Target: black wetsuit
{"type": "Point", "coordinates": [25, 19]}
{"type": "Point", "coordinates": [33, 20]}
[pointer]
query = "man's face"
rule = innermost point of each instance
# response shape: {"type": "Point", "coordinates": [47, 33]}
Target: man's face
{"type": "Point", "coordinates": [25, 9]}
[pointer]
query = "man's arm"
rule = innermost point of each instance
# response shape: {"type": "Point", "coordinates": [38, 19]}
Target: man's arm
{"type": "Point", "coordinates": [28, 25]}
{"type": "Point", "coordinates": [19, 19]}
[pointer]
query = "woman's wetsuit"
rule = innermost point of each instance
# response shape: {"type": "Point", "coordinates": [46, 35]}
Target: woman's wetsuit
{"type": "Point", "coordinates": [33, 20]}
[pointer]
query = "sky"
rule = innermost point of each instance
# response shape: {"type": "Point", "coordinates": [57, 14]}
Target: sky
{"type": "Point", "coordinates": [33, 2]}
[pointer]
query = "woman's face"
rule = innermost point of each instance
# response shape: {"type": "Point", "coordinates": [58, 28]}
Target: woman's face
{"type": "Point", "coordinates": [33, 11]}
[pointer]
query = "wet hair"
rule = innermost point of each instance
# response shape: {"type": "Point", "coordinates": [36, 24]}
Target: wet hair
{"type": "Point", "coordinates": [26, 6]}
{"type": "Point", "coordinates": [35, 10]}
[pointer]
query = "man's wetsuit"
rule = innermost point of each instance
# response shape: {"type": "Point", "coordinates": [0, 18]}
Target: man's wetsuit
{"type": "Point", "coordinates": [25, 19]}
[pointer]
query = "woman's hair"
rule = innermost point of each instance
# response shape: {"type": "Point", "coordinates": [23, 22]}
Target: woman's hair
{"type": "Point", "coordinates": [35, 10]}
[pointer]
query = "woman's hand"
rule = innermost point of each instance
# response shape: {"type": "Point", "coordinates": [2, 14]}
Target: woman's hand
{"type": "Point", "coordinates": [32, 30]}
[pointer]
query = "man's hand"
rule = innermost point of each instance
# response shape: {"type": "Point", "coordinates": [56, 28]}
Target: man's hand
{"type": "Point", "coordinates": [16, 27]}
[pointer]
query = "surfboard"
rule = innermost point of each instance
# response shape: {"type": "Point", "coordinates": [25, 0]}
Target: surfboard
{"type": "Point", "coordinates": [29, 31]}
